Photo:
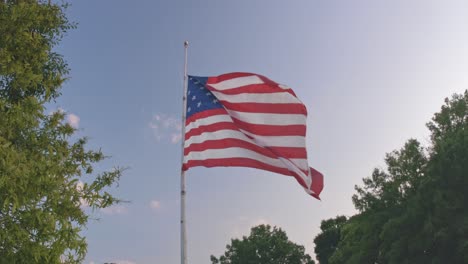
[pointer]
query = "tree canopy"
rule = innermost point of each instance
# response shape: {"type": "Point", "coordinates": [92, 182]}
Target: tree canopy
{"type": "Point", "coordinates": [327, 241]}
{"type": "Point", "coordinates": [46, 178]}
{"type": "Point", "coordinates": [264, 245]}
{"type": "Point", "coordinates": [414, 211]}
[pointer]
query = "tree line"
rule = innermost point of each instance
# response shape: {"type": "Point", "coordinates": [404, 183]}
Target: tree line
{"type": "Point", "coordinates": [416, 209]}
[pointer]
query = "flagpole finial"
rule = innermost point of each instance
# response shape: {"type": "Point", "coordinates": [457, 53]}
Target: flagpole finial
{"type": "Point", "coordinates": [186, 43]}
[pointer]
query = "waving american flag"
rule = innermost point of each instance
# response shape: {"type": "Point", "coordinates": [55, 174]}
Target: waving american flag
{"type": "Point", "coordinates": [247, 120]}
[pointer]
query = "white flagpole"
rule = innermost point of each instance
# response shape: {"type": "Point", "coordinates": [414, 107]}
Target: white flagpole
{"type": "Point", "coordinates": [183, 229]}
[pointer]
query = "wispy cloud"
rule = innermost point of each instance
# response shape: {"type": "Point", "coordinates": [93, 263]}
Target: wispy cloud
{"type": "Point", "coordinates": [260, 221]}
{"type": "Point", "coordinates": [175, 137]}
{"type": "Point", "coordinates": [73, 120]}
{"type": "Point", "coordinates": [155, 204]}
{"type": "Point", "coordinates": [114, 210]}
{"type": "Point", "coordinates": [166, 128]}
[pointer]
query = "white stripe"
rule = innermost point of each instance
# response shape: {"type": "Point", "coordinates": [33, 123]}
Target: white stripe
{"type": "Point", "coordinates": [237, 82]}
{"type": "Point", "coordinates": [269, 141]}
{"type": "Point", "coordinates": [242, 153]}
{"type": "Point", "coordinates": [217, 135]}
{"type": "Point", "coordinates": [263, 141]}
{"type": "Point", "coordinates": [269, 119]}
{"type": "Point", "coordinates": [272, 98]}
{"type": "Point", "coordinates": [295, 165]}
{"type": "Point", "coordinates": [207, 121]}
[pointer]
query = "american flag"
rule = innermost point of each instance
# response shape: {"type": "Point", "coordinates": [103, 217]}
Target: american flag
{"type": "Point", "coordinates": [247, 120]}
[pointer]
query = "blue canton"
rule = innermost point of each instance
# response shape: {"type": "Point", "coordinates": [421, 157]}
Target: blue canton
{"type": "Point", "coordinates": [199, 98]}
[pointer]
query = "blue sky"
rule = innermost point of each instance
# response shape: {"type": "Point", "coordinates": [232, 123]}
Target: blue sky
{"type": "Point", "coordinates": [371, 74]}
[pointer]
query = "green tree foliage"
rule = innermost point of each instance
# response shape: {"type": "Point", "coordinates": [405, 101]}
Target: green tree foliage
{"type": "Point", "coordinates": [264, 245]}
{"type": "Point", "coordinates": [327, 241]}
{"type": "Point", "coordinates": [415, 211]}
{"type": "Point", "coordinates": [46, 178]}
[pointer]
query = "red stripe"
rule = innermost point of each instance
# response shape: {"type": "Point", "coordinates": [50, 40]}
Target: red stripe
{"type": "Point", "coordinates": [317, 182]}
{"type": "Point", "coordinates": [229, 143]}
{"type": "Point", "coordinates": [236, 162]}
{"type": "Point", "coordinates": [241, 162]}
{"type": "Point", "coordinates": [273, 83]}
{"type": "Point", "coordinates": [251, 88]}
{"type": "Point", "coordinates": [271, 152]}
{"type": "Point", "coordinates": [227, 76]}
{"type": "Point", "coordinates": [204, 114]}
{"type": "Point", "coordinates": [261, 130]}
{"type": "Point", "coordinates": [290, 152]}
{"type": "Point", "coordinates": [266, 108]}
{"type": "Point", "coordinates": [269, 86]}
{"type": "Point", "coordinates": [300, 181]}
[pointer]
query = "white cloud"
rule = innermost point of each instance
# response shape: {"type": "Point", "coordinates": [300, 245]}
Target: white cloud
{"type": "Point", "coordinates": [114, 210]}
{"type": "Point", "coordinates": [157, 134]}
{"type": "Point", "coordinates": [73, 120]}
{"type": "Point", "coordinates": [175, 138]}
{"type": "Point", "coordinates": [155, 204]}
{"type": "Point", "coordinates": [260, 221]}
{"type": "Point", "coordinates": [166, 128]}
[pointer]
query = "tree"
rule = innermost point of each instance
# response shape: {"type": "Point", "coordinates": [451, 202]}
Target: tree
{"type": "Point", "coordinates": [415, 210]}
{"type": "Point", "coordinates": [46, 178]}
{"type": "Point", "coordinates": [264, 245]}
{"type": "Point", "coordinates": [433, 223]}
{"type": "Point", "coordinates": [435, 219]}
{"type": "Point", "coordinates": [380, 199]}
{"type": "Point", "coordinates": [327, 241]}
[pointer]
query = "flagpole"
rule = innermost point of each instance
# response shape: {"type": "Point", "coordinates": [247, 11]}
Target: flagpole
{"type": "Point", "coordinates": [183, 229]}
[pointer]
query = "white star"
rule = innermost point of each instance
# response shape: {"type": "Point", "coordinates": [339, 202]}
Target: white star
{"type": "Point", "coordinates": [189, 109]}
{"type": "Point", "coordinates": [201, 87]}
{"type": "Point", "coordinates": [215, 101]}
{"type": "Point", "coordinates": [193, 98]}
{"type": "Point", "coordinates": [199, 104]}
{"type": "Point", "coordinates": [188, 93]}
{"type": "Point", "coordinates": [208, 93]}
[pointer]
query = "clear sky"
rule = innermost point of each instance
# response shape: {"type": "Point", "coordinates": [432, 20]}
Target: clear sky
{"type": "Point", "coordinates": [371, 74]}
